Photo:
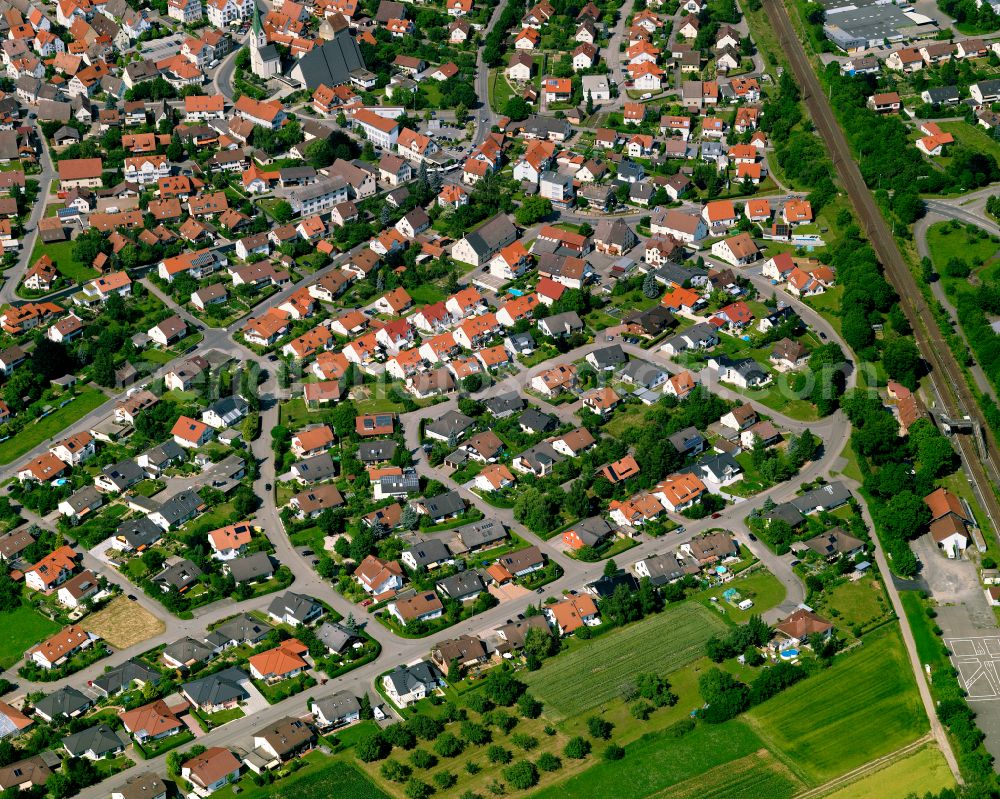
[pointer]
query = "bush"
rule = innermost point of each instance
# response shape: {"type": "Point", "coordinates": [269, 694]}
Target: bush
{"type": "Point", "coordinates": [680, 728]}
{"type": "Point", "coordinates": [444, 780]}
{"type": "Point", "coordinates": [501, 720]}
{"type": "Point", "coordinates": [395, 771]}
{"type": "Point", "coordinates": [548, 762]}
{"type": "Point", "coordinates": [614, 752]}
{"type": "Point", "coordinates": [498, 754]}
{"type": "Point", "coordinates": [421, 758]}
{"type": "Point", "coordinates": [525, 742]}
{"type": "Point", "coordinates": [417, 789]}
{"type": "Point", "coordinates": [641, 710]}
{"type": "Point", "coordinates": [374, 747]}
{"type": "Point", "coordinates": [577, 748]}
{"type": "Point", "coordinates": [599, 728]}
{"type": "Point", "coordinates": [529, 707]}
{"type": "Point", "coordinates": [475, 734]}
{"type": "Point", "coordinates": [448, 745]}
{"type": "Point", "coordinates": [522, 775]}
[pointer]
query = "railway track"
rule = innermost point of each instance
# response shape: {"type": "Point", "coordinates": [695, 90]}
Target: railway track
{"type": "Point", "coordinates": [981, 458]}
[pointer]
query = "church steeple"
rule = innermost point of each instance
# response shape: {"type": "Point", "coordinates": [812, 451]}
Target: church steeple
{"type": "Point", "coordinates": [259, 37]}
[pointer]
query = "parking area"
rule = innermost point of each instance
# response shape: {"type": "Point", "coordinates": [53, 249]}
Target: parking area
{"type": "Point", "coordinates": [159, 49]}
{"type": "Point", "coordinates": [976, 660]}
{"type": "Point", "coordinates": [506, 593]}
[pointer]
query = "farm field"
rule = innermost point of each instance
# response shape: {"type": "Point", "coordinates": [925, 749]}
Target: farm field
{"type": "Point", "coordinates": [123, 623]}
{"type": "Point", "coordinates": [657, 761]}
{"type": "Point", "coordinates": [24, 628]}
{"type": "Point", "coordinates": [925, 771]}
{"type": "Point", "coordinates": [595, 673]}
{"type": "Point", "coordinates": [864, 706]}
{"type": "Point", "coordinates": [759, 774]}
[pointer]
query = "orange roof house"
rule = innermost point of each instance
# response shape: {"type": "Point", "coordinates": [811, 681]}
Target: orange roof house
{"type": "Point", "coordinates": [572, 614]}
{"type": "Point", "coordinates": [284, 661]}
{"type": "Point", "coordinates": [620, 470]}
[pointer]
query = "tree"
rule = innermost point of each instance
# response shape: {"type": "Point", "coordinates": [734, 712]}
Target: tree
{"type": "Point", "coordinates": [599, 728]}
{"type": "Point", "coordinates": [417, 789]}
{"type": "Point", "coordinates": [548, 762]}
{"type": "Point", "coordinates": [282, 212]}
{"type": "Point", "coordinates": [521, 775]}
{"type": "Point", "coordinates": [424, 727]}
{"type": "Point", "coordinates": [371, 748]}
{"type": "Point", "coordinates": [104, 368]}
{"type": "Point", "coordinates": [448, 745]}
{"type": "Point", "coordinates": [502, 687]}
{"type": "Point", "coordinates": [577, 748]}
{"type": "Point", "coordinates": [613, 752]}
{"type": "Point", "coordinates": [320, 153]}
{"type": "Point", "coordinates": [533, 209]}
{"type": "Point", "coordinates": [10, 593]}
{"type": "Point", "coordinates": [650, 286]}
{"type": "Point", "coordinates": [395, 771]}
{"type": "Point", "coordinates": [516, 108]}
{"type": "Point", "coordinates": [590, 103]}
{"type": "Point", "coordinates": [725, 696]}
{"type": "Point", "coordinates": [902, 361]}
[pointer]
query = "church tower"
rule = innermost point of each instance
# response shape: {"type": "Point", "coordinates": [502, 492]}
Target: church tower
{"type": "Point", "coordinates": [265, 62]}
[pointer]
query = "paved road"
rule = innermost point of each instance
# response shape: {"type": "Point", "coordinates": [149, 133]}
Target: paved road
{"type": "Point", "coordinates": [485, 118]}
{"type": "Point", "coordinates": [928, 337]}
{"type": "Point", "coordinates": [8, 292]}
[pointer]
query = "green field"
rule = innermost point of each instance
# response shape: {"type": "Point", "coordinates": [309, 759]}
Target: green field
{"type": "Point", "coordinates": [36, 432]}
{"type": "Point", "coordinates": [657, 761]}
{"type": "Point", "coordinates": [929, 647]}
{"type": "Point", "coordinates": [597, 671]}
{"type": "Point", "coordinates": [61, 253]}
{"type": "Point", "coordinates": [943, 243]}
{"type": "Point", "coordinates": [862, 602]}
{"type": "Point", "coordinates": [762, 587]}
{"type": "Point", "coordinates": [861, 708]}
{"type": "Point", "coordinates": [923, 772]}
{"type": "Point", "coordinates": [972, 136]}
{"type": "Point", "coordinates": [321, 778]}
{"type": "Point", "coordinates": [25, 628]}
{"type": "Point", "coordinates": [750, 777]}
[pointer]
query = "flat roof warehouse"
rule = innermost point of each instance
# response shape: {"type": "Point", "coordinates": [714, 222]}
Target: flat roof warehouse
{"type": "Point", "coordinates": [859, 26]}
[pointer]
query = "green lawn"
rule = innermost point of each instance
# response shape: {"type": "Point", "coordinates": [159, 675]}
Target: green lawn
{"type": "Point", "coordinates": [25, 628]}
{"type": "Point", "coordinates": [929, 647]}
{"type": "Point", "coordinates": [426, 294]}
{"type": "Point", "coordinates": [973, 136]}
{"type": "Point", "coordinates": [320, 778]}
{"type": "Point", "coordinates": [37, 432]}
{"type": "Point", "coordinates": [762, 587]}
{"type": "Point", "coordinates": [294, 414]}
{"type": "Point", "coordinates": [863, 707]}
{"type": "Point", "coordinates": [945, 241]}
{"type": "Point", "coordinates": [656, 761]}
{"type": "Point", "coordinates": [595, 671]}
{"type": "Point", "coordinates": [862, 602]}
{"type": "Point", "coordinates": [61, 253]}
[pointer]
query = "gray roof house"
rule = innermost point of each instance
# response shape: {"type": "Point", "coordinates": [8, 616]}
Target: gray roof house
{"type": "Point", "coordinates": [443, 506]}
{"type": "Point", "coordinates": [294, 609]}
{"type": "Point", "coordinates": [687, 441]}
{"type": "Point", "coordinates": [240, 629]}
{"type": "Point", "coordinates": [481, 244]}
{"type": "Point", "coordinates": [178, 576]}
{"type": "Point", "coordinates": [123, 676]}
{"type": "Point", "coordinates": [448, 425]}
{"type": "Point", "coordinates": [181, 507]}
{"type": "Point", "coordinates": [592, 531]}
{"type": "Point", "coordinates": [225, 412]}
{"type": "Point", "coordinates": [505, 405]}
{"type": "Point", "coordinates": [94, 743]}
{"type": "Point", "coordinates": [426, 554]}
{"type": "Point", "coordinates": [643, 374]}
{"type": "Point", "coordinates": [67, 702]}
{"type": "Point", "coordinates": [336, 710]}
{"type": "Point", "coordinates": [224, 688]}
{"type": "Point", "coordinates": [463, 586]}
{"type": "Point", "coordinates": [607, 358]}
{"type": "Point", "coordinates": [785, 512]}
{"type": "Point", "coordinates": [407, 684]}
{"type": "Point", "coordinates": [538, 459]}
{"type": "Point", "coordinates": [315, 469]}
{"type": "Point", "coordinates": [376, 451]}
{"type": "Point", "coordinates": [534, 421]}
{"type": "Point", "coordinates": [561, 324]}
{"type": "Point", "coordinates": [186, 652]}
{"type": "Point", "coordinates": [335, 637]}
{"type": "Point", "coordinates": [251, 568]}
{"type": "Point", "coordinates": [481, 534]}
{"type": "Point", "coordinates": [826, 497]}
{"type": "Point", "coordinates": [120, 476]}
{"type": "Point", "coordinates": [138, 533]}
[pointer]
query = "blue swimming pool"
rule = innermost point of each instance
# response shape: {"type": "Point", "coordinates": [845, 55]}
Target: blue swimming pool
{"type": "Point", "coordinates": [788, 654]}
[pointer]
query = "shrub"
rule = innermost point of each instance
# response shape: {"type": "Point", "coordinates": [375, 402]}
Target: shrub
{"type": "Point", "coordinates": [525, 742]}
{"type": "Point", "coordinates": [502, 720]}
{"type": "Point", "coordinates": [448, 745]}
{"type": "Point", "coordinates": [614, 752]}
{"type": "Point", "coordinates": [417, 789]}
{"type": "Point", "coordinates": [479, 702]}
{"type": "Point", "coordinates": [400, 735]}
{"type": "Point", "coordinates": [599, 728]}
{"type": "Point", "coordinates": [372, 748]}
{"type": "Point", "coordinates": [424, 727]}
{"type": "Point", "coordinates": [498, 754]}
{"type": "Point", "coordinates": [548, 762]}
{"type": "Point", "coordinates": [473, 767]}
{"type": "Point", "coordinates": [395, 771]}
{"type": "Point", "coordinates": [640, 710]}
{"type": "Point", "coordinates": [444, 780]}
{"type": "Point", "coordinates": [522, 775]}
{"type": "Point", "coordinates": [475, 734]}
{"type": "Point", "coordinates": [421, 758]}
{"type": "Point", "coordinates": [529, 707]}
{"type": "Point", "coordinates": [577, 748]}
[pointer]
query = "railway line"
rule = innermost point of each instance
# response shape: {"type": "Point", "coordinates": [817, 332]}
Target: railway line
{"type": "Point", "coordinates": [981, 457]}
